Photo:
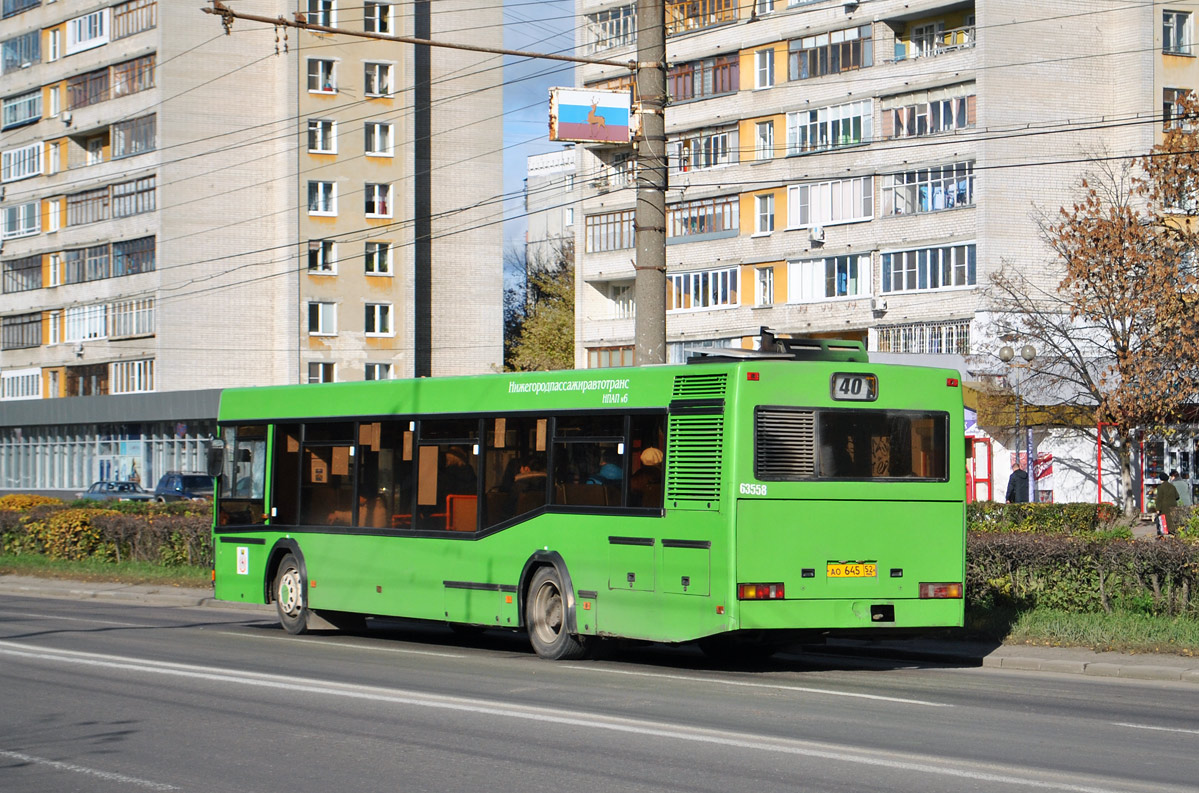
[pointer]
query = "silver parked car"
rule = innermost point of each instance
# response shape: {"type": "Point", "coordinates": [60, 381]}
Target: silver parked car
{"type": "Point", "coordinates": [116, 491]}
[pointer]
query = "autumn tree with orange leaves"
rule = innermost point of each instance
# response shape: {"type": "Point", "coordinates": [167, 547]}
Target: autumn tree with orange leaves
{"type": "Point", "coordinates": [1120, 333]}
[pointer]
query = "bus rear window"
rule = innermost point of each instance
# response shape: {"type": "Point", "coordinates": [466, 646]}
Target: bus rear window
{"type": "Point", "coordinates": [792, 445]}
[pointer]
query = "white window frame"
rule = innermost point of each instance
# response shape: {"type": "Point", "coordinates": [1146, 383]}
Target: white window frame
{"type": "Point", "coordinates": [763, 69]}
{"type": "Point", "coordinates": [763, 7]}
{"type": "Point", "coordinates": [830, 203]}
{"type": "Point", "coordinates": [322, 12]}
{"type": "Point", "coordinates": [764, 286]}
{"type": "Point", "coordinates": [326, 136]}
{"type": "Point", "coordinates": [326, 199]}
{"type": "Point", "coordinates": [623, 304]}
{"type": "Point", "coordinates": [326, 318]}
{"type": "Point", "coordinates": [131, 377]}
{"type": "Point", "coordinates": [376, 132]}
{"type": "Point", "coordinates": [764, 215]}
{"type": "Point", "coordinates": [21, 384]}
{"type": "Point", "coordinates": [88, 31]}
{"type": "Point", "coordinates": [24, 162]}
{"type": "Point", "coordinates": [808, 279]}
{"type": "Point", "coordinates": [764, 140]}
{"type": "Point", "coordinates": [828, 130]}
{"type": "Point", "coordinates": [55, 269]}
{"type": "Point", "coordinates": [53, 46]}
{"type": "Point", "coordinates": [325, 257]}
{"type": "Point", "coordinates": [53, 215]}
{"type": "Point", "coordinates": [373, 195]}
{"type": "Point", "coordinates": [1177, 33]}
{"type": "Point", "coordinates": [332, 369]}
{"type": "Point", "coordinates": [901, 192]}
{"type": "Point", "coordinates": [323, 78]}
{"type": "Point", "coordinates": [21, 220]}
{"type": "Point", "coordinates": [23, 109]}
{"type": "Point", "coordinates": [916, 265]}
{"type": "Point", "coordinates": [376, 17]}
{"type": "Point", "coordinates": [378, 253]}
{"type": "Point", "coordinates": [711, 289]}
{"type": "Point", "coordinates": [85, 323]}
{"type": "Point", "coordinates": [54, 325]}
{"type": "Point", "coordinates": [568, 217]}
{"type": "Point", "coordinates": [54, 105]}
{"type": "Point", "coordinates": [372, 371]}
{"type": "Point", "coordinates": [381, 316]}
{"type": "Point", "coordinates": [378, 73]}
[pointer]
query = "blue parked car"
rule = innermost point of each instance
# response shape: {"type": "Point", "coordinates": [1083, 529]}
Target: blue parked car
{"type": "Point", "coordinates": [180, 486]}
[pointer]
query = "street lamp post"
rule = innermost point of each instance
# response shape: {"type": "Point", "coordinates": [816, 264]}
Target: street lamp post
{"type": "Point", "coordinates": [1028, 353]}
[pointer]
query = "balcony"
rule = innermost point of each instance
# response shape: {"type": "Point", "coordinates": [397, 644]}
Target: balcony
{"type": "Point", "coordinates": [684, 16]}
{"type": "Point", "coordinates": [930, 44]}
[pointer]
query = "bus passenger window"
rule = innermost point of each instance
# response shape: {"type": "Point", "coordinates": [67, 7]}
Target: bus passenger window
{"type": "Point", "coordinates": [588, 473]}
{"type": "Point", "coordinates": [243, 478]}
{"type": "Point", "coordinates": [447, 479]}
{"type": "Point", "coordinates": [515, 468]}
{"type": "Point", "coordinates": [326, 486]}
{"type": "Point", "coordinates": [384, 476]}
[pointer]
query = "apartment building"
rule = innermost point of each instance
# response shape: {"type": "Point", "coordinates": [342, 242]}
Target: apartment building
{"type": "Point", "coordinates": [184, 210]}
{"type": "Point", "coordinates": [861, 170]}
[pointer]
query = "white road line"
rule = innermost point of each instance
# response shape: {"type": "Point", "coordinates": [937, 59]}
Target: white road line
{"type": "Point", "coordinates": [342, 645]}
{"type": "Point", "coordinates": [25, 614]}
{"type": "Point", "coordinates": [79, 769]}
{"type": "Point", "coordinates": [775, 686]}
{"type": "Point", "coordinates": [925, 764]}
{"type": "Point", "coordinates": [1152, 727]}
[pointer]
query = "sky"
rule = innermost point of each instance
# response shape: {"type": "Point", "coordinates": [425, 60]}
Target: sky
{"type": "Point", "coordinates": [534, 26]}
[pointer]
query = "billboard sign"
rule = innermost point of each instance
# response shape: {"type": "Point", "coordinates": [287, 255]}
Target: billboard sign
{"type": "Point", "coordinates": [588, 116]}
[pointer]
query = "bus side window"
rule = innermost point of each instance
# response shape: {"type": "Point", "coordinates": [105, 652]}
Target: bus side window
{"type": "Point", "coordinates": [384, 475]}
{"type": "Point", "coordinates": [285, 490]}
{"type": "Point", "coordinates": [515, 468]}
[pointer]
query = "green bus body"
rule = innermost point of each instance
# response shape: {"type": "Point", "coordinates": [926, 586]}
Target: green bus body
{"type": "Point", "coordinates": [669, 572]}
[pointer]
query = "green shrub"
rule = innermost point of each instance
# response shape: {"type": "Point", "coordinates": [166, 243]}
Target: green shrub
{"type": "Point", "coordinates": [1042, 518]}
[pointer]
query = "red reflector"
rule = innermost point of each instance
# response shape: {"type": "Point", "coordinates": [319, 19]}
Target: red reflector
{"type": "Point", "coordinates": [949, 590]}
{"type": "Point", "coordinates": [760, 592]}
{"type": "Point", "coordinates": [720, 609]}
{"type": "Point", "coordinates": [952, 382]}
{"type": "Point", "coordinates": [752, 376]}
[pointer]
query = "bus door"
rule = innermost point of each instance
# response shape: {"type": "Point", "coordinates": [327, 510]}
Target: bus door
{"type": "Point", "coordinates": [980, 469]}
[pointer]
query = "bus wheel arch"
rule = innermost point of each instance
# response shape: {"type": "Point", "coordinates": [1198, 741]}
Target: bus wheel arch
{"type": "Point", "coordinates": [287, 586]}
{"type": "Point", "coordinates": [547, 608]}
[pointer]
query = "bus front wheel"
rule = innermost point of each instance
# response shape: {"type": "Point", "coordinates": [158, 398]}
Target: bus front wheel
{"type": "Point", "coordinates": [290, 601]}
{"type": "Point", "coordinates": [546, 618]}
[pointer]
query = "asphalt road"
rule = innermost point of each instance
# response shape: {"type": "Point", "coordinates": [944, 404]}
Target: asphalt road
{"type": "Point", "coordinates": [109, 697]}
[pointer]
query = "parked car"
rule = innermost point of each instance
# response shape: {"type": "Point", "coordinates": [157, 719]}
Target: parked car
{"type": "Point", "coordinates": [183, 486]}
{"type": "Point", "coordinates": [116, 491]}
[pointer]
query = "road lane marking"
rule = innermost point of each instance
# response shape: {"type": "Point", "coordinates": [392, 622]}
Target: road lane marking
{"type": "Point", "coordinates": [745, 684]}
{"type": "Point", "coordinates": [901, 761]}
{"type": "Point", "coordinates": [343, 645]}
{"type": "Point", "coordinates": [79, 769]}
{"type": "Point", "coordinates": [1152, 727]}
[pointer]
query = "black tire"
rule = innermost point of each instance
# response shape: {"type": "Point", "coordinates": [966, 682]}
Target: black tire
{"type": "Point", "coordinates": [291, 601]}
{"type": "Point", "coordinates": [346, 621]}
{"type": "Point", "coordinates": [546, 618]}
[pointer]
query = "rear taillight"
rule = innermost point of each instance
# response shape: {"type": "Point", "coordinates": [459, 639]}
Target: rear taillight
{"type": "Point", "coordinates": [950, 590]}
{"type": "Point", "coordinates": [760, 592]}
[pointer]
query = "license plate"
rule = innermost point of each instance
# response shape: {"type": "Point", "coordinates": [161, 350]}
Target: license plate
{"type": "Point", "coordinates": [852, 570]}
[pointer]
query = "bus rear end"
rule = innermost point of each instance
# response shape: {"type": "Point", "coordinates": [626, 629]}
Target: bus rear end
{"type": "Point", "coordinates": [850, 498]}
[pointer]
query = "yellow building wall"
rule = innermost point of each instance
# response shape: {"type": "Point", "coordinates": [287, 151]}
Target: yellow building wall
{"type": "Point", "coordinates": [748, 71]}
{"type": "Point", "coordinates": [749, 213]}
{"type": "Point", "coordinates": [747, 133]}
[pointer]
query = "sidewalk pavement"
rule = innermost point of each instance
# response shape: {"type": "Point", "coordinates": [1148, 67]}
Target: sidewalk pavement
{"type": "Point", "coordinates": [1068, 660]}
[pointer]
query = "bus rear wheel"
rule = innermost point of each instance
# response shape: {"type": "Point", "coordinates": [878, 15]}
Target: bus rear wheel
{"type": "Point", "coordinates": [290, 601]}
{"type": "Point", "coordinates": [545, 617]}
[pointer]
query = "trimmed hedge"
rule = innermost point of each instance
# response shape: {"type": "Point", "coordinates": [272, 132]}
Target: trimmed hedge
{"type": "Point", "coordinates": [1042, 518]}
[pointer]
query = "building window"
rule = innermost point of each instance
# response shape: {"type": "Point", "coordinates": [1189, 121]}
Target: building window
{"type": "Point", "coordinates": [764, 292]}
{"type": "Point", "coordinates": [86, 264]}
{"type": "Point", "coordinates": [322, 137]}
{"type": "Point", "coordinates": [12, 7]}
{"type": "Point", "coordinates": [605, 357]}
{"type": "Point", "coordinates": [834, 276]}
{"type": "Point", "coordinates": [763, 7]}
{"type": "Point", "coordinates": [55, 274]}
{"type": "Point", "coordinates": [829, 127]}
{"type": "Point", "coordinates": [322, 198]}
{"type": "Point", "coordinates": [21, 331]}
{"type": "Point", "coordinates": [685, 15]}
{"type": "Point", "coordinates": [322, 77]}
{"type": "Point", "coordinates": [133, 198]}
{"type": "Point", "coordinates": [763, 69]}
{"type": "Point", "coordinates": [20, 220]}
{"type": "Point", "coordinates": [926, 338]}
{"type": "Point", "coordinates": [87, 89]}
{"type": "Point", "coordinates": [132, 257]}
{"type": "Point", "coordinates": [89, 206]}
{"type": "Point", "coordinates": [21, 384]}
{"type": "Point", "coordinates": [322, 319]}
{"type": "Point", "coordinates": [1172, 109]}
{"type": "Point", "coordinates": [928, 189]}
{"type": "Point", "coordinates": [321, 373]}
{"type": "Point", "coordinates": [22, 275]}
{"type": "Point", "coordinates": [702, 290]}
{"type": "Point", "coordinates": [22, 163]}
{"type": "Point", "coordinates": [322, 257]}
{"type": "Point", "coordinates": [131, 377]}
{"type": "Point", "coordinates": [54, 324]}
{"type": "Point", "coordinates": [53, 211]}
{"type": "Point", "coordinates": [704, 216]}
{"type": "Point", "coordinates": [53, 101]}
{"type": "Point", "coordinates": [701, 150]}
{"type": "Point", "coordinates": [379, 139]}
{"type": "Point", "coordinates": [764, 213]}
{"type": "Point", "coordinates": [378, 319]}
{"type": "Point", "coordinates": [94, 149]}
{"type": "Point", "coordinates": [377, 17]}
{"type": "Point", "coordinates": [378, 258]}
{"type": "Point", "coordinates": [830, 203]}
{"type": "Point", "coordinates": [929, 268]}
{"type": "Point", "coordinates": [133, 17]}
{"type": "Point", "coordinates": [133, 137]}
{"type": "Point", "coordinates": [85, 32]}
{"type": "Point", "coordinates": [378, 371]}
{"type": "Point", "coordinates": [704, 78]}
{"type": "Point", "coordinates": [128, 318]}
{"type": "Point", "coordinates": [21, 51]}
{"type": "Point", "coordinates": [831, 53]}
{"type": "Point", "coordinates": [610, 231]}
{"type": "Point", "coordinates": [85, 323]}
{"type": "Point", "coordinates": [377, 79]}
{"type": "Point", "coordinates": [764, 140]}
{"type": "Point", "coordinates": [568, 217]}
{"type": "Point", "coordinates": [133, 76]}
{"type": "Point", "coordinates": [378, 200]}
{"type": "Point", "coordinates": [1177, 37]}
{"type": "Point", "coordinates": [53, 45]}
{"type": "Point", "coordinates": [322, 12]}
{"type": "Point", "coordinates": [929, 118]}
{"type": "Point", "coordinates": [623, 305]}
{"type": "Point", "coordinates": [616, 27]}
{"type": "Point", "coordinates": [23, 109]}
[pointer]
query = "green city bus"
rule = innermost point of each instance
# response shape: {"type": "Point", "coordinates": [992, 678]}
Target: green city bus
{"type": "Point", "coordinates": [742, 502]}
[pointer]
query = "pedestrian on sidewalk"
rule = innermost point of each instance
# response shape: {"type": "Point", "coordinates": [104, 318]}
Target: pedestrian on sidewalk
{"type": "Point", "coordinates": [1165, 499]}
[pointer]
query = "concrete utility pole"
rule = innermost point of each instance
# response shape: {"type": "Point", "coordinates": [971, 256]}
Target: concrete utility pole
{"type": "Point", "coordinates": [649, 219]}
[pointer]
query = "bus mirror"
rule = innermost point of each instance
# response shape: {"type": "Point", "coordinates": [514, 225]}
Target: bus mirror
{"type": "Point", "coordinates": [216, 458]}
